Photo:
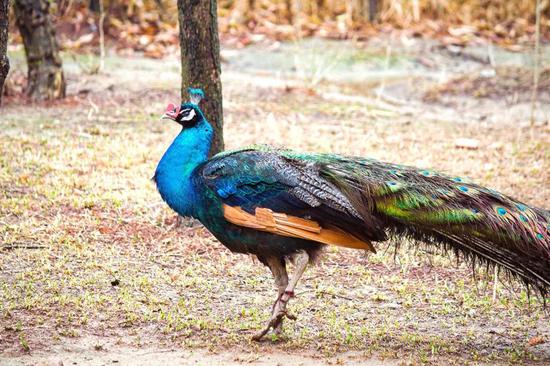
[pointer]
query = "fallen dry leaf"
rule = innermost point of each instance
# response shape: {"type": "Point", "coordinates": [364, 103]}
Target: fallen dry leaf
{"type": "Point", "coordinates": [536, 340]}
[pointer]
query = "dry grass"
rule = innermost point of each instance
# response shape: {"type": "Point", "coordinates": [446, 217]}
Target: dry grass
{"type": "Point", "coordinates": [509, 84]}
{"type": "Point", "coordinates": [89, 249]}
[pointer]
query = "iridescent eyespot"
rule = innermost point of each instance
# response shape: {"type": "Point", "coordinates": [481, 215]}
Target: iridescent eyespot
{"type": "Point", "coordinates": [523, 218]}
{"type": "Point", "coordinates": [521, 207]}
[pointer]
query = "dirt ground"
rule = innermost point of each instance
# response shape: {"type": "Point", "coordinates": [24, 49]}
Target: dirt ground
{"type": "Point", "coordinates": [95, 269]}
{"type": "Point", "coordinates": [79, 353]}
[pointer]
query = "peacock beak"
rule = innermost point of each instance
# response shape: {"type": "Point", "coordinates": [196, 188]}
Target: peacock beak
{"type": "Point", "coordinates": [171, 112]}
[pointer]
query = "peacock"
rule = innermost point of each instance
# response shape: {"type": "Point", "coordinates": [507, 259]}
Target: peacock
{"type": "Point", "coordinates": [282, 205]}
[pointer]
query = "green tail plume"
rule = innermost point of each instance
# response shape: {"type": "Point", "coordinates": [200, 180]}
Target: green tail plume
{"type": "Point", "coordinates": [482, 224]}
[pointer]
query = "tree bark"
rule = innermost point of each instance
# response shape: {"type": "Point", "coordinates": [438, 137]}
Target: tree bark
{"type": "Point", "coordinates": [45, 73]}
{"type": "Point", "coordinates": [373, 10]}
{"type": "Point", "coordinates": [200, 60]}
{"type": "Point", "coordinates": [4, 62]}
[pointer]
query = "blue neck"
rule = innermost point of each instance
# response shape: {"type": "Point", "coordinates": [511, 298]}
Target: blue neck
{"type": "Point", "coordinates": [175, 170]}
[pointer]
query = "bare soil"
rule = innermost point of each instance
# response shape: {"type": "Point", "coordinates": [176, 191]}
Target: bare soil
{"type": "Point", "coordinates": [86, 352]}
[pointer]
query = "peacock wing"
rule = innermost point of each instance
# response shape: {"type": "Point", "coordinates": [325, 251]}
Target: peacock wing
{"type": "Point", "coordinates": [254, 180]}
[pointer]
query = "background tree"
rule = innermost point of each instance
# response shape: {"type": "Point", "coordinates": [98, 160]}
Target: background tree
{"type": "Point", "coordinates": [200, 59]}
{"type": "Point", "coordinates": [4, 62]}
{"type": "Point", "coordinates": [45, 73]}
{"type": "Point", "coordinates": [373, 10]}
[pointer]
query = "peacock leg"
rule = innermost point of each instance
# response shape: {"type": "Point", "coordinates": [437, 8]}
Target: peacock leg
{"type": "Point", "coordinates": [278, 269]}
{"type": "Point", "coordinates": [301, 260]}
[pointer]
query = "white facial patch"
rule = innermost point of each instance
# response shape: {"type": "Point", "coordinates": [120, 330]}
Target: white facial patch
{"type": "Point", "coordinates": [187, 114]}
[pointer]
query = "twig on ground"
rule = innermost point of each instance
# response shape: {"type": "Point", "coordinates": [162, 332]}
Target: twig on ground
{"type": "Point", "coordinates": [21, 246]}
{"type": "Point", "coordinates": [328, 294]}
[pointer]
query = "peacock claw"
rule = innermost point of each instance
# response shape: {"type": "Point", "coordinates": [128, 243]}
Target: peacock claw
{"type": "Point", "coordinates": [274, 323]}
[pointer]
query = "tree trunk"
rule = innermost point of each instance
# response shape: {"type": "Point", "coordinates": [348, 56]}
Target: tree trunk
{"type": "Point", "coordinates": [200, 60]}
{"type": "Point", "coordinates": [289, 11]}
{"type": "Point", "coordinates": [45, 73]}
{"type": "Point", "coordinates": [93, 5]}
{"type": "Point", "coordinates": [363, 9]}
{"type": "Point", "coordinates": [4, 62]}
{"type": "Point", "coordinates": [373, 10]}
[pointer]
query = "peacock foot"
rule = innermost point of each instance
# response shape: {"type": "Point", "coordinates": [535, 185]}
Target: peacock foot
{"type": "Point", "coordinates": [279, 312]}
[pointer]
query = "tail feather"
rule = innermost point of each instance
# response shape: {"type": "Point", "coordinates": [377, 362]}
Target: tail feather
{"type": "Point", "coordinates": [451, 212]}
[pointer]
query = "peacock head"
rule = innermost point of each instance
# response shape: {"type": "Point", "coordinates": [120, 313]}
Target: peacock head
{"type": "Point", "coordinates": [187, 114]}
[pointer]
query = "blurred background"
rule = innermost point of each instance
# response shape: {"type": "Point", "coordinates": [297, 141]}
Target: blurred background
{"type": "Point", "coordinates": [150, 28]}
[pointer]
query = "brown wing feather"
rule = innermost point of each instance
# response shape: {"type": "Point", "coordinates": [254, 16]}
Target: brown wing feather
{"type": "Point", "coordinates": [277, 223]}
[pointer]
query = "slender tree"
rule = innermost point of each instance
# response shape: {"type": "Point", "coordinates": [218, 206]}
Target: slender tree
{"type": "Point", "coordinates": [4, 62]}
{"type": "Point", "coordinates": [45, 72]}
{"type": "Point", "coordinates": [373, 10]}
{"type": "Point", "coordinates": [200, 59]}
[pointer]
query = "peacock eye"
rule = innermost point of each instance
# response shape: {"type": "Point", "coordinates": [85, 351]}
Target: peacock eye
{"type": "Point", "coordinates": [187, 114]}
